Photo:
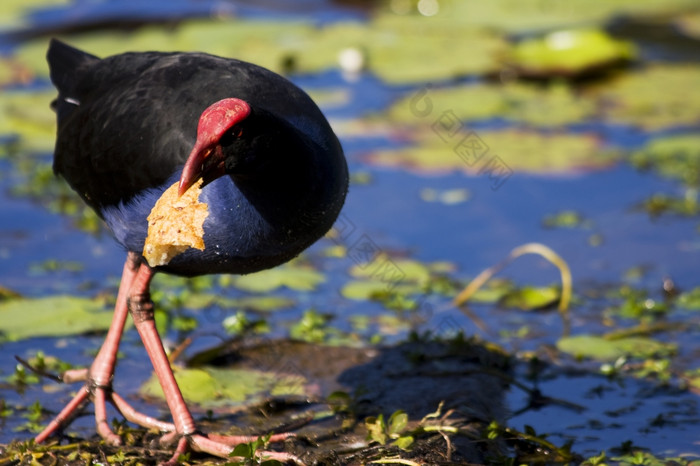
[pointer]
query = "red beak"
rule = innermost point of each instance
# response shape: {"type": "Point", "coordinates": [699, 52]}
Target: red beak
{"type": "Point", "coordinates": [207, 159]}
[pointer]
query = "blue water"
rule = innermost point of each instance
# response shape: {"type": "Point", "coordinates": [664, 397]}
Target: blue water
{"type": "Point", "coordinates": [389, 211]}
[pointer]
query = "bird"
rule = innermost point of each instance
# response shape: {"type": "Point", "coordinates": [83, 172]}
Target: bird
{"type": "Point", "coordinates": [272, 174]}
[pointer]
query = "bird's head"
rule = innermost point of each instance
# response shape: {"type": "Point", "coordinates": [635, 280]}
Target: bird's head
{"type": "Point", "coordinates": [218, 126]}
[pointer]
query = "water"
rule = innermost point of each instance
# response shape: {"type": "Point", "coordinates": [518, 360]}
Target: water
{"type": "Point", "coordinates": [473, 235]}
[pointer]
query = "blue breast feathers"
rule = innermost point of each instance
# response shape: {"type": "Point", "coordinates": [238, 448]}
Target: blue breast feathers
{"type": "Point", "coordinates": [237, 238]}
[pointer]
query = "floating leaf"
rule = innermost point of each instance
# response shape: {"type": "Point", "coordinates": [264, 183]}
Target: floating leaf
{"type": "Point", "coordinates": [692, 378]}
{"type": "Point", "coordinates": [566, 219]}
{"type": "Point", "coordinates": [656, 97]}
{"type": "Point", "coordinates": [493, 291]}
{"type": "Point", "coordinates": [403, 270]}
{"type": "Point", "coordinates": [258, 303]}
{"type": "Point", "coordinates": [240, 324]}
{"type": "Point", "coordinates": [638, 305]}
{"type": "Point", "coordinates": [505, 152]}
{"type": "Point", "coordinates": [254, 303]}
{"type": "Point", "coordinates": [676, 157]}
{"type": "Point", "coordinates": [362, 289]}
{"type": "Point", "coordinates": [537, 15]}
{"type": "Point", "coordinates": [553, 105]}
{"type": "Point", "coordinates": [690, 299]}
{"type": "Point", "coordinates": [390, 42]}
{"type": "Point", "coordinates": [312, 327]}
{"type": "Point", "coordinates": [530, 298]}
{"type": "Point", "coordinates": [52, 316]}
{"type": "Point", "coordinates": [211, 387]}
{"type": "Point", "coordinates": [603, 349]}
{"type": "Point", "coordinates": [393, 281]}
{"type": "Point", "coordinates": [338, 251]}
{"type": "Point", "coordinates": [660, 203]}
{"type": "Point", "coordinates": [13, 12]}
{"type": "Point", "coordinates": [293, 276]}
{"type": "Point", "coordinates": [395, 45]}
{"type": "Point", "coordinates": [29, 116]}
{"type": "Point", "coordinates": [392, 324]}
{"type": "Point", "coordinates": [330, 98]}
{"type": "Point", "coordinates": [266, 43]}
{"type": "Point", "coordinates": [569, 53]}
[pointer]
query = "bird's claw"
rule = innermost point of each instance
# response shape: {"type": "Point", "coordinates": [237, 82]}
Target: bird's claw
{"type": "Point", "coordinates": [100, 395]}
{"type": "Point", "coordinates": [214, 444]}
{"type": "Point", "coordinates": [223, 446]}
{"type": "Point", "coordinates": [75, 375]}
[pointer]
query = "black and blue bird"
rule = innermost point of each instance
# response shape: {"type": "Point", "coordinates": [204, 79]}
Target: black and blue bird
{"type": "Point", "coordinates": [131, 125]}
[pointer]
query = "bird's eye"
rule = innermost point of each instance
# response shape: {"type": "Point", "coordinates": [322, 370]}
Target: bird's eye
{"type": "Point", "coordinates": [231, 135]}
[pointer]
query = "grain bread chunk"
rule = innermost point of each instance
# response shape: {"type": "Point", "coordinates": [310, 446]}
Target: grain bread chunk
{"type": "Point", "coordinates": [175, 224]}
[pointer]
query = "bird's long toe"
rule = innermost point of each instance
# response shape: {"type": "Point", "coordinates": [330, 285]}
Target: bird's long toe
{"type": "Point", "coordinates": [139, 418]}
{"type": "Point", "coordinates": [101, 424]}
{"type": "Point", "coordinates": [223, 445]}
{"type": "Point", "coordinates": [75, 375]}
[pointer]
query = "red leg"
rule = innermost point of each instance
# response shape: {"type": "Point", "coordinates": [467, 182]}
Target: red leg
{"type": "Point", "coordinates": [134, 298]}
{"type": "Point", "coordinates": [99, 377]}
{"type": "Point", "coordinates": [141, 309]}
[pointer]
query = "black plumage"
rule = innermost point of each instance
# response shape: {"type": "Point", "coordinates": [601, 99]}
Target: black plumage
{"type": "Point", "coordinates": [130, 126]}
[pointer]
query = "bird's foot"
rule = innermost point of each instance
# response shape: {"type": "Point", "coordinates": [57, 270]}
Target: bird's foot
{"type": "Point", "coordinates": [224, 445]}
{"type": "Point", "coordinates": [99, 395]}
{"type": "Point", "coordinates": [213, 444]}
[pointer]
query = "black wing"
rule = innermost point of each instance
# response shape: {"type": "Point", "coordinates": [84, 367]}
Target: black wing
{"type": "Point", "coordinates": [127, 123]}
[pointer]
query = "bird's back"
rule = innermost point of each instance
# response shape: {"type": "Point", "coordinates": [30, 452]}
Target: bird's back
{"type": "Point", "coordinates": [127, 123]}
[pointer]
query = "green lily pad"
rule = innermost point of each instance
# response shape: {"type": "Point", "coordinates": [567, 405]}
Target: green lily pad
{"type": "Point", "coordinates": [399, 47]}
{"type": "Point", "coordinates": [28, 116]}
{"type": "Point", "coordinates": [538, 15]}
{"type": "Point", "coordinates": [314, 327]}
{"type": "Point", "coordinates": [553, 105]}
{"type": "Point", "coordinates": [213, 387]}
{"type": "Point", "coordinates": [661, 203]}
{"type": "Point", "coordinates": [13, 12]}
{"type": "Point", "coordinates": [503, 152]}
{"type": "Point", "coordinates": [257, 303]}
{"type": "Point", "coordinates": [566, 219]}
{"type": "Point", "coordinates": [689, 299]}
{"type": "Point", "coordinates": [676, 157]}
{"type": "Point", "coordinates": [407, 270]}
{"type": "Point", "coordinates": [657, 97]}
{"type": "Point", "coordinates": [266, 43]}
{"type": "Point", "coordinates": [254, 303]}
{"type": "Point", "coordinates": [531, 298]}
{"type": "Point", "coordinates": [569, 53]}
{"type": "Point", "coordinates": [401, 275]}
{"type": "Point", "coordinates": [290, 275]}
{"type": "Point", "coordinates": [692, 378]}
{"type": "Point", "coordinates": [461, 39]}
{"type": "Point", "coordinates": [330, 98]}
{"type": "Point", "coordinates": [392, 324]}
{"type": "Point", "coordinates": [371, 289]}
{"type": "Point", "coordinates": [493, 291]}
{"type": "Point", "coordinates": [603, 349]}
{"type": "Point", "coordinates": [393, 49]}
{"type": "Point", "coordinates": [53, 316]}
{"type": "Point", "coordinates": [338, 251]}
{"type": "Point", "coordinates": [637, 305]}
